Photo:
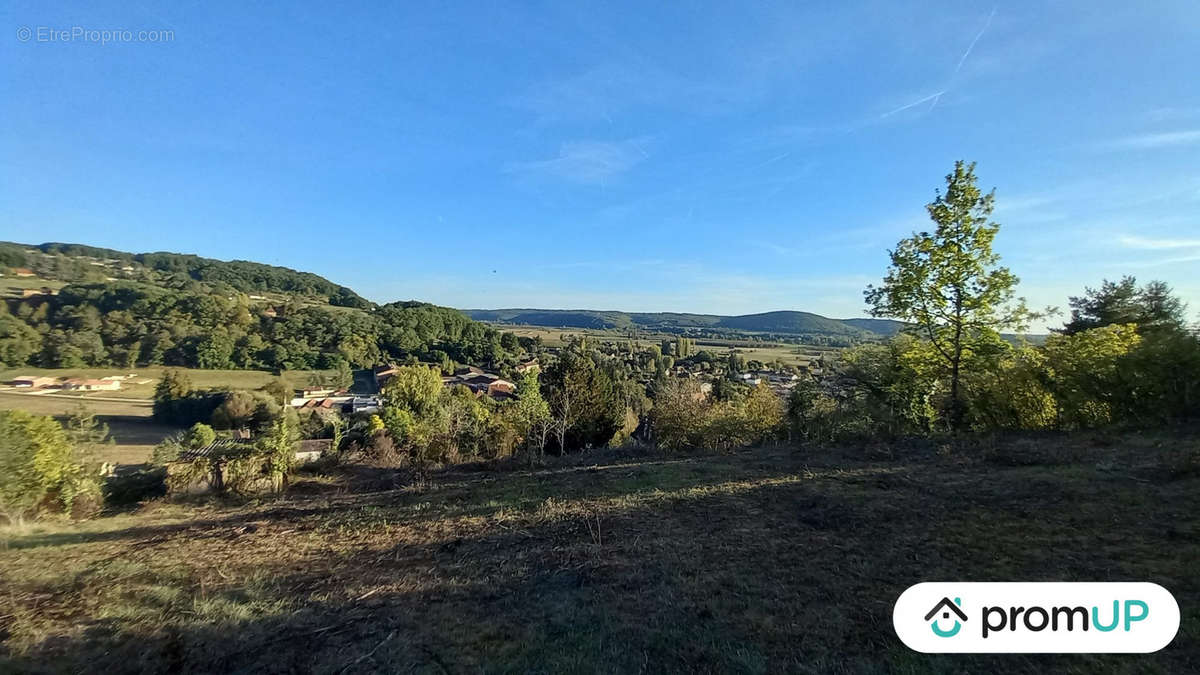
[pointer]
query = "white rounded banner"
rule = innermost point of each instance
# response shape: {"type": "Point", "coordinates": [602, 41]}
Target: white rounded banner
{"type": "Point", "coordinates": [1027, 617]}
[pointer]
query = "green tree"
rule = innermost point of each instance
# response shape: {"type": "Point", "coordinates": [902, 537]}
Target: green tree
{"type": "Point", "coordinates": [343, 376]}
{"type": "Point", "coordinates": [174, 387]}
{"type": "Point", "coordinates": [764, 414]}
{"type": "Point", "coordinates": [37, 460]}
{"type": "Point", "coordinates": [948, 283]}
{"type": "Point", "coordinates": [414, 388]}
{"type": "Point", "coordinates": [1151, 307]}
{"type": "Point", "coordinates": [277, 448]}
{"type": "Point", "coordinates": [1085, 374]}
{"type": "Point", "coordinates": [18, 341]}
{"type": "Point", "coordinates": [533, 414]}
{"type": "Point", "coordinates": [680, 415]}
{"type": "Point", "coordinates": [278, 390]}
{"type": "Point", "coordinates": [85, 432]}
{"type": "Point", "coordinates": [200, 435]}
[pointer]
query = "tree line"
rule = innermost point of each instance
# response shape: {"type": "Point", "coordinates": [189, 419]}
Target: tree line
{"type": "Point", "coordinates": [126, 324]}
{"type": "Point", "coordinates": [74, 263]}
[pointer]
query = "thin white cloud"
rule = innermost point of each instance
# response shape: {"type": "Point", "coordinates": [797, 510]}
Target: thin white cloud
{"type": "Point", "coordinates": [1158, 244]}
{"type": "Point", "coordinates": [932, 97]}
{"type": "Point", "coordinates": [935, 98]}
{"type": "Point", "coordinates": [588, 162]}
{"type": "Point", "coordinates": [978, 35]}
{"type": "Point", "coordinates": [1166, 139]}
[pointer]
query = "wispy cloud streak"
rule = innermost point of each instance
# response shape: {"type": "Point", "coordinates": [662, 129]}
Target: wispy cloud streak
{"type": "Point", "coordinates": [971, 46]}
{"type": "Point", "coordinates": [1158, 244]}
{"type": "Point", "coordinates": [936, 97]}
{"type": "Point", "coordinates": [587, 161]}
{"type": "Point", "coordinates": [932, 97]}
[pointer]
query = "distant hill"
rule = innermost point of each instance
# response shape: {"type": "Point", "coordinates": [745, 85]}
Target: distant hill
{"type": "Point", "coordinates": [784, 322]}
{"type": "Point", "coordinates": [879, 326]}
{"type": "Point", "coordinates": [79, 262]}
{"type": "Point", "coordinates": [76, 306]}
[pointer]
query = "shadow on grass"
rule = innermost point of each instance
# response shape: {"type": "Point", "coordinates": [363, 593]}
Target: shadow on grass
{"type": "Point", "coordinates": [709, 576]}
{"type": "Point", "coordinates": [450, 494]}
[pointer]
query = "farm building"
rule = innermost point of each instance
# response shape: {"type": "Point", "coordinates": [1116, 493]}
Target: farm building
{"type": "Point", "coordinates": [481, 383]}
{"type": "Point", "coordinates": [32, 381]}
{"type": "Point", "coordinates": [80, 384]}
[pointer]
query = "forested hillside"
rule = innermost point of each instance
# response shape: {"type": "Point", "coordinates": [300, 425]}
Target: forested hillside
{"type": "Point", "coordinates": [78, 262]}
{"type": "Point", "coordinates": [190, 311]}
{"type": "Point", "coordinates": [784, 322]}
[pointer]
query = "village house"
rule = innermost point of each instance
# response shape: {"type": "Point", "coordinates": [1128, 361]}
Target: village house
{"type": "Point", "coordinates": [481, 383]}
{"type": "Point", "coordinates": [22, 272]}
{"type": "Point", "coordinates": [312, 449]}
{"type": "Point", "coordinates": [364, 404]}
{"type": "Point", "coordinates": [315, 392]}
{"type": "Point", "coordinates": [32, 381]}
{"type": "Point", "coordinates": [381, 374]}
{"type": "Point", "coordinates": [325, 404]}
{"type": "Point", "coordinates": [80, 384]}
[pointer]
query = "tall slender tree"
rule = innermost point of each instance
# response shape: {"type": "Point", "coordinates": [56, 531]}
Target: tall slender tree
{"type": "Point", "coordinates": [948, 284]}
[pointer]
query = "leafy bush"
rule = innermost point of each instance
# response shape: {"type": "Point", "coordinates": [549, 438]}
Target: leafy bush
{"type": "Point", "coordinates": [38, 466]}
{"type": "Point", "coordinates": [684, 418]}
{"type": "Point", "coordinates": [1084, 372]}
{"type": "Point", "coordinates": [136, 487]}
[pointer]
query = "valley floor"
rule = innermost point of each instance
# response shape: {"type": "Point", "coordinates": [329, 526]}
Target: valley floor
{"type": "Point", "coordinates": [770, 560]}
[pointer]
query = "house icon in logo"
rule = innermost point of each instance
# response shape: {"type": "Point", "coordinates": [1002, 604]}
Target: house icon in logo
{"type": "Point", "coordinates": [946, 607]}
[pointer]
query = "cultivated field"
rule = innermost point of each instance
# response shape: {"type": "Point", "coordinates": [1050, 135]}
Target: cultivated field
{"type": "Point", "coordinates": [127, 412]}
{"type": "Point", "coordinates": [141, 386]}
{"type": "Point", "coordinates": [763, 561]}
{"type": "Point", "coordinates": [11, 286]}
{"type": "Point", "coordinates": [133, 432]}
{"type": "Point", "coordinates": [767, 352]}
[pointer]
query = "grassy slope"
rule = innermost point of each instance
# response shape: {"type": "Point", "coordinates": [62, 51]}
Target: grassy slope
{"type": "Point", "coordinates": [764, 561]}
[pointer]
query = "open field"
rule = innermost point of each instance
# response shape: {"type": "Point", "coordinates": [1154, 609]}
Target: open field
{"type": "Point", "coordinates": [10, 282]}
{"type": "Point", "coordinates": [795, 355]}
{"type": "Point", "coordinates": [142, 385]}
{"type": "Point", "coordinates": [127, 412]}
{"type": "Point", "coordinates": [133, 432]}
{"type": "Point", "coordinates": [764, 561]}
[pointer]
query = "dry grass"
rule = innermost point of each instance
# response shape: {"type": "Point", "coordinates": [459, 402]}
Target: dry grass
{"type": "Point", "coordinates": [773, 560]}
{"type": "Point", "coordinates": [128, 411]}
{"type": "Point", "coordinates": [142, 386]}
{"type": "Point", "coordinates": [131, 428]}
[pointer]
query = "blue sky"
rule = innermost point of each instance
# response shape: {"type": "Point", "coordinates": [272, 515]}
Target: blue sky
{"type": "Point", "coordinates": [709, 157]}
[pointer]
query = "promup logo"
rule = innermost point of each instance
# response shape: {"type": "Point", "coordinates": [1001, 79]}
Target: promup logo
{"type": "Point", "coordinates": [946, 607]}
{"type": "Point", "coordinates": [1036, 617]}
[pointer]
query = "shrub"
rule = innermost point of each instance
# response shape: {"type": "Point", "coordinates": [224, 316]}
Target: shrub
{"type": "Point", "coordinates": [136, 487]}
{"type": "Point", "coordinates": [1083, 370]}
{"type": "Point", "coordinates": [39, 465]}
{"type": "Point", "coordinates": [677, 420]}
{"type": "Point", "coordinates": [684, 417]}
{"type": "Point", "coordinates": [200, 435]}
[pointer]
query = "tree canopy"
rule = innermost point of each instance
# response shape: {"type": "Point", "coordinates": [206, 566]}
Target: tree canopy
{"type": "Point", "coordinates": [949, 284]}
